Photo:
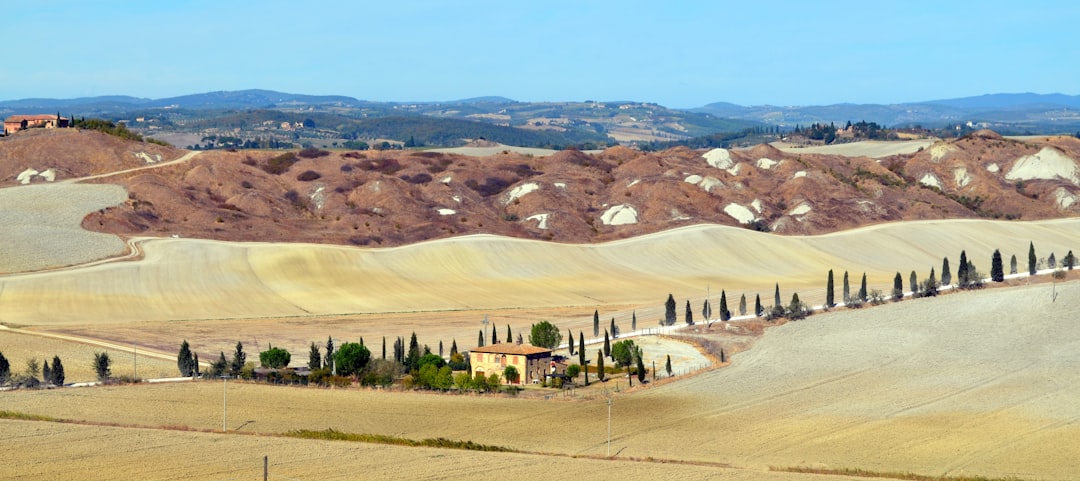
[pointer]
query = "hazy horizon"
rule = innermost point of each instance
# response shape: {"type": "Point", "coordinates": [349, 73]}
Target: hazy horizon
{"type": "Point", "coordinates": [690, 56]}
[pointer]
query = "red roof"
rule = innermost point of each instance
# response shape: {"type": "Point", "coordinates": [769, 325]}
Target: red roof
{"type": "Point", "coordinates": [512, 348]}
{"type": "Point", "coordinates": [20, 118]}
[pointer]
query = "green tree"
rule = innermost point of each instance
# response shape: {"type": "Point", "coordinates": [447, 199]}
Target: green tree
{"type": "Point", "coordinates": [1012, 264]}
{"type": "Point", "coordinates": [669, 311]}
{"type": "Point", "coordinates": [185, 362]}
{"type": "Point", "coordinates": [796, 310]}
{"type": "Point", "coordinates": [997, 270]}
{"type": "Point", "coordinates": [930, 287]}
{"type": "Point", "coordinates": [511, 375]}
{"type": "Point", "coordinates": [607, 344]}
{"type": "Point", "coordinates": [847, 289]}
{"type": "Point", "coordinates": [758, 309]}
{"type": "Point", "coordinates": [623, 352]}
{"type": "Point", "coordinates": [946, 276]}
{"type": "Point", "coordinates": [5, 370]}
{"type": "Point", "coordinates": [315, 356]}
{"type": "Point", "coordinates": [862, 289]}
{"type": "Point", "coordinates": [480, 339]}
{"type": "Point", "coordinates": [725, 314]}
{"type": "Point", "coordinates": [596, 323]}
{"type": "Point", "coordinates": [706, 310]}
{"type": "Point", "coordinates": [102, 366]}
{"type": "Point", "coordinates": [46, 372]}
{"type": "Point", "coordinates": [573, 370]}
{"type": "Point", "coordinates": [352, 358]}
{"type": "Point", "coordinates": [569, 341]}
{"type": "Point", "coordinates": [581, 355]}
{"type": "Point", "coordinates": [238, 360]}
{"type": "Point", "coordinates": [453, 347]}
{"type": "Point", "coordinates": [57, 378]}
{"type": "Point", "coordinates": [509, 334]}
{"type": "Point", "coordinates": [545, 334]}
{"type": "Point", "coordinates": [897, 288]}
{"type": "Point", "coordinates": [689, 314]}
{"type": "Point", "coordinates": [600, 365]}
{"type": "Point", "coordinates": [1051, 261]}
{"type": "Point", "coordinates": [1032, 261]}
{"type": "Point", "coordinates": [742, 305]}
{"type": "Point", "coordinates": [914, 283]}
{"type": "Point", "coordinates": [776, 296]}
{"type": "Point", "coordinates": [829, 294]}
{"type": "Point", "coordinates": [275, 358]}
{"type": "Point", "coordinates": [494, 335]}
{"type": "Point", "coordinates": [667, 365]}
{"type": "Point", "coordinates": [614, 328]}
{"type": "Point", "coordinates": [1069, 261]}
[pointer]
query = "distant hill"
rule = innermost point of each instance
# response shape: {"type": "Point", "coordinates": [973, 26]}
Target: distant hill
{"type": "Point", "coordinates": [1009, 113]}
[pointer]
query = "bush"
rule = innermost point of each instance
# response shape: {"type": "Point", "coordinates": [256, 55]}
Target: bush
{"type": "Point", "coordinates": [280, 164]}
{"type": "Point", "coordinates": [312, 153]}
{"type": "Point", "coordinates": [420, 178]}
{"type": "Point", "coordinates": [275, 358]}
{"type": "Point", "coordinates": [490, 187]}
{"type": "Point", "coordinates": [308, 176]}
{"type": "Point", "coordinates": [573, 370]}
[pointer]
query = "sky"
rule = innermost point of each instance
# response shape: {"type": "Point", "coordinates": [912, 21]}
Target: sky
{"type": "Point", "coordinates": [679, 54]}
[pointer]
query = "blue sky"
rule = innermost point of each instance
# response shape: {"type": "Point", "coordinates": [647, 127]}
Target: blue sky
{"type": "Point", "coordinates": [678, 54]}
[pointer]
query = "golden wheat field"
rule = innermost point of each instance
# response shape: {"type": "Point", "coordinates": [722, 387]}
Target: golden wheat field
{"type": "Point", "coordinates": [970, 383]}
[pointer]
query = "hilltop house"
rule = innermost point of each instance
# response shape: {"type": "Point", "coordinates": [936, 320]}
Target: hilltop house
{"type": "Point", "coordinates": [531, 362]}
{"type": "Point", "coordinates": [16, 123]}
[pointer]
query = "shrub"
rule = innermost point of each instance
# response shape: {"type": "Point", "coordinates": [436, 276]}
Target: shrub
{"type": "Point", "coordinates": [573, 370]}
{"type": "Point", "coordinates": [312, 153]}
{"type": "Point", "coordinates": [420, 178]}
{"type": "Point", "coordinates": [245, 184]}
{"type": "Point", "coordinates": [280, 164]}
{"type": "Point", "coordinates": [346, 167]}
{"type": "Point", "coordinates": [308, 176]}
{"type": "Point", "coordinates": [490, 187]}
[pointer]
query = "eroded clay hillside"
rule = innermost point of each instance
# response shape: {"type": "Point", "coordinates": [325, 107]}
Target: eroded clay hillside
{"type": "Point", "coordinates": [392, 198]}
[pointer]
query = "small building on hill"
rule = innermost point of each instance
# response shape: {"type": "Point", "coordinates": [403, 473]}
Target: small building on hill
{"type": "Point", "coordinates": [531, 362]}
{"type": "Point", "coordinates": [16, 123]}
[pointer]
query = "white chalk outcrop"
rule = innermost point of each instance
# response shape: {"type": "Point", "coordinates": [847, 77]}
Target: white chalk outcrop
{"type": "Point", "coordinates": [521, 190]}
{"type": "Point", "coordinates": [961, 177]}
{"type": "Point", "coordinates": [765, 163]}
{"type": "Point", "coordinates": [740, 213]}
{"type": "Point", "coordinates": [719, 158]}
{"type": "Point", "coordinates": [541, 220]}
{"type": "Point", "coordinates": [447, 211]}
{"type": "Point", "coordinates": [1048, 163]}
{"type": "Point", "coordinates": [930, 180]}
{"type": "Point", "coordinates": [621, 214]}
{"type": "Point", "coordinates": [1064, 198]}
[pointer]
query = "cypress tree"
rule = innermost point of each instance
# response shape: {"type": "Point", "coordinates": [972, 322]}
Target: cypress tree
{"type": "Point", "coordinates": [607, 344]}
{"type": "Point", "coordinates": [46, 373]}
{"type": "Point", "coordinates": [600, 366]}
{"type": "Point", "coordinates": [509, 335]}
{"type": "Point", "coordinates": [897, 288]}
{"type": "Point", "coordinates": [570, 341]}
{"type": "Point", "coordinates": [640, 369]}
{"type": "Point", "coordinates": [1012, 265]}
{"type": "Point", "coordinates": [758, 310]}
{"type": "Point", "coordinates": [669, 311]}
{"type": "Point", "coordinates": [440, 348]}
{"type": "Point", "coordinates": [776, 296]}
{"type": "Point", "coordinates": [596, 323]}
{"type": "Point", "coordinates": [453, 347]}
{"type": "Point", "coordinates": [829, 295]}
{"type": "Point", "coordinates": [946, 276]}
{"type": "Point", "coordinates": [742, 305]}
{"type": "Point", "coordinates": [706, 310]}
{"type": "Point", "coordinates": [667, 365]}
{"type": "Point", "coordinates": [914, 283]}
{"type": "Point", "coordinates": [494, 335]}
{"type": "Point", "coordinates": [962, 271]}
{"type": "Point", "coordinates": [452, 350]}
{"type": "Point", "coordinates": [1069, 260]}
{"type": "Point", "coordinates": [183, 359]}
{"type": "Point", "coordinates": [614, 329]}
{"type": "Point", "coordinates": [931, 285]}
{"type": "Point", "coordinates": [581, 354]}
{"type": "Point", "coordinates": [633, 322]}
{"type": "Point", "coordinates": [1032, 261]}
{"type": "Point", "coordinates": [1051, 261]}
{"type": "Point", "coordinates": [57, 378]}
{"type": "Point", "coordinates": [862, 289]}
{"type": "Point", "coordinates": [997, 271]}
{"type": "Point", "coordinates": [689, 314]}
{"type": "Point", "coordinates": [315, 357]}
{"type": "Point", "coordinates": [725, 314]}
{"type": "Point", "coordinates": [847, 289]}
{"type": "Point", "coordinates": [480, 339]}
{"type": "Point", "coordinates": [328, 359]}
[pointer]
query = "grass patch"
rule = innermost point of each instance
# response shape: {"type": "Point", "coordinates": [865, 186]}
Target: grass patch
{"type": "Point", "coordinates": [26, 417]}
{"type": "Point", "coordinates": [862, 473]}
{"type": "Point", "coordinates": [332, 435]}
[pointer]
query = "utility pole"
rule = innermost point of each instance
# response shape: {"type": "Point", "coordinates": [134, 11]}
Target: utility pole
{"type": "Point", "coordinates": [135, 357]}
{"type": "Point", "coordinates": [224, 403]}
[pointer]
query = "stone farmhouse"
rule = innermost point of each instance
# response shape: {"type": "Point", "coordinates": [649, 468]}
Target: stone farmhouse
{"type": "Point", "coordinates": [532, 362]}
{"type": "Point", "coordinates": [16, 123]}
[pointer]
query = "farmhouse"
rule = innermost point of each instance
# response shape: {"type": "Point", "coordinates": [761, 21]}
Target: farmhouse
{"type": "Point", "coordinates": [16, 123]}
{"type": "Point", "coordinates": [531, 361]}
